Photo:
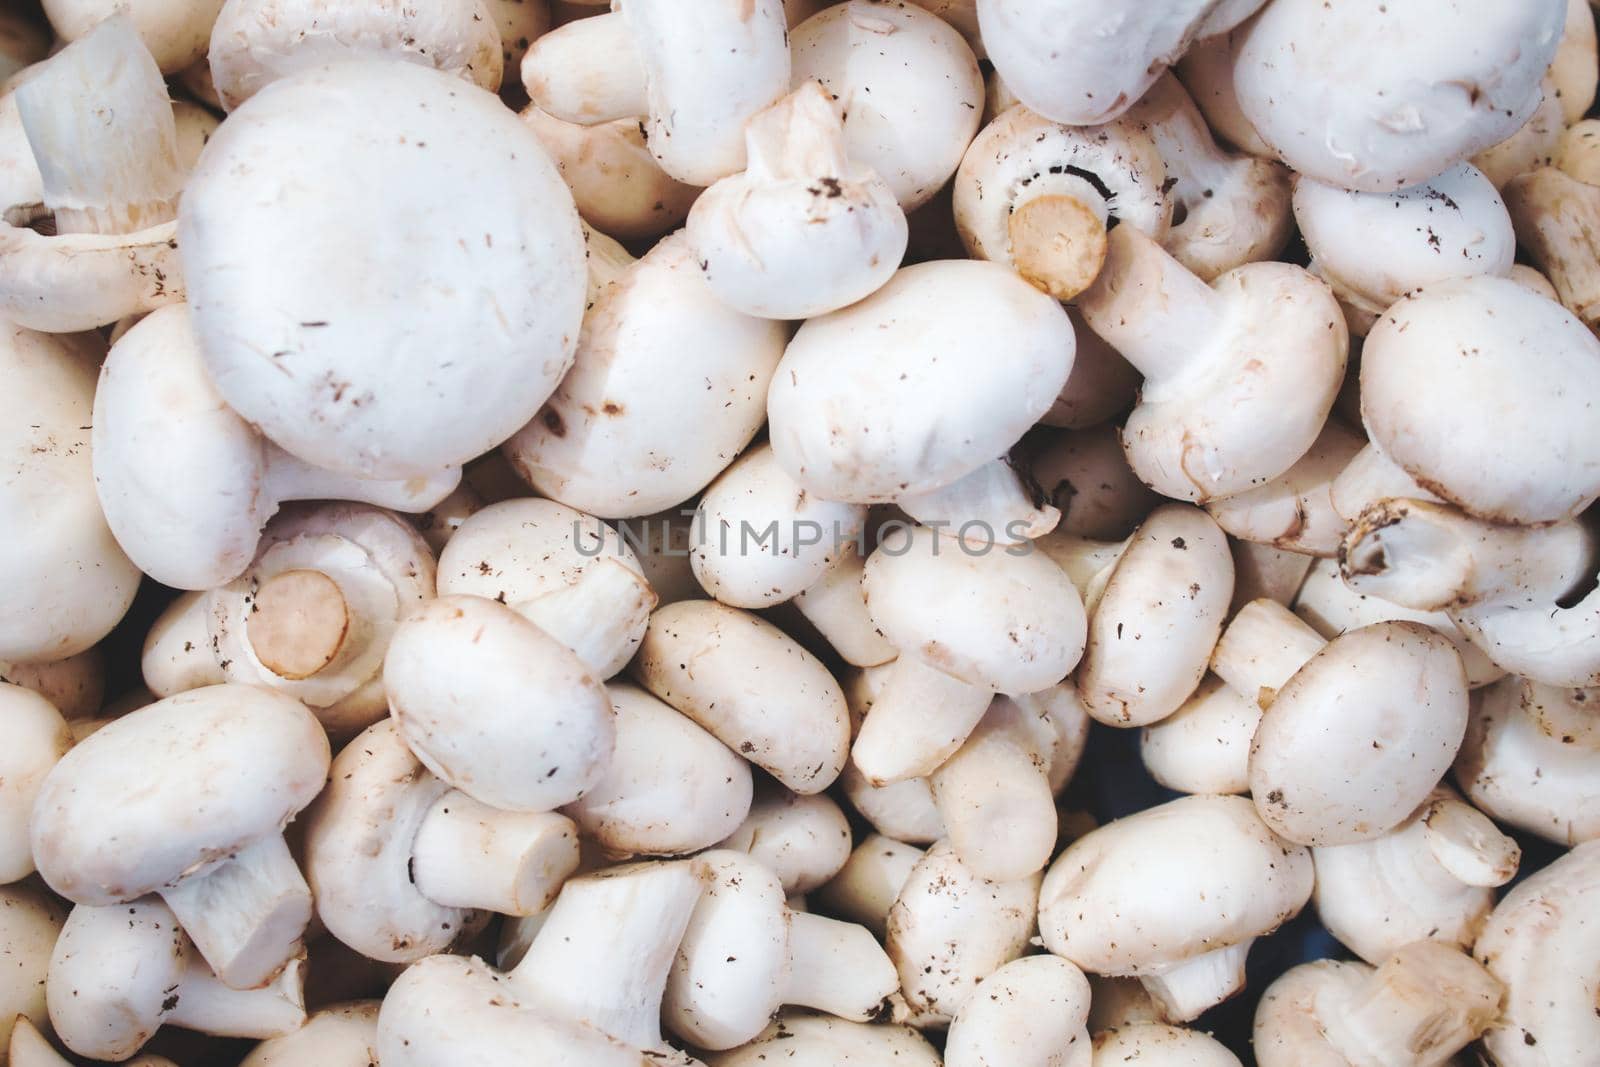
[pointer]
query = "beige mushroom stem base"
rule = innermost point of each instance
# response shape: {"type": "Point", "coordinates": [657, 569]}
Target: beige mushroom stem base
{"type": "Point", "coordinates": [1058, 237]}
{"type": "Point", "coordinates": [247, 914]}
{"type": "Point", "coordinates": [587, 72]}
{"type": "Point", "coordinates": [1199, 983]}
{"type": "Point", "coordinates": [203, 1003]}
{"type": "Point", "coordinates": [989, 507]}
{"type": "Point", "coordinates": [920, 718]}
{"type": "Point", "coordinates": [1421, 1006]}
{"type": "Point", "coordinates": [102, 130]}
{"type": "Point", "coordinates": [602, 616]}
{"type": "Point", "coordinates": [469, 855]}
{"type": "Point", "coordinates": [1143, 299]}
{"type": "Point", "coordinates": [1262, 648]}
{"type": "Point", "coordinates": [1370, 477]}
{"type": "Point", "coordinates": [836, 606]}
{"type": "Point", "coordinates": [298, 623]}
{"type": "Point", "coordinates": [837, 968]}
{"type": "Point", "coordinates": [288, 477]}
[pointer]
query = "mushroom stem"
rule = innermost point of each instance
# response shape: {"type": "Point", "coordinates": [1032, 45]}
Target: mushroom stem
{"type": "Point", "coordinates": [1467, 844]}
{"type": "Point", "coordinates": [601, 616]}
{"type": "Point", "coordinates": [1430, 558]}
{"type": "Point", "coordinates": [247, 914]}
{"type": "Point", "coordinates": [921, 716]}
{"type": "Point", "coordinates": [1199, 982]}
{"type": "Point", "coordinates": [101, 127]}
{"type": "Point", "coordinates": [799, 137]}
{"type": "Point", "coordinates": [469, 855]}
{"type": "Point", "coordinates": [836, 606]}
{"type": "Point", "coordinates": [299, 620]}
{"type": "Point", "coordinates": [588, 72]}
{"type": "Point", "coordinates": [1422, 1006]}
{"type": "Point", "coordinates": [1262, 648]}
{"type": "Point", "coordinates": [1370, 477]}
{"type": "Point", "coordinates": [990, 506]}
{"type": "Point", "coordinates": [288, 477]}
{"type": "Point", "coordinates": [1148, 306]}
{"type": "Point", "coordinates": [1059, 237]}
{"type": "Point", "coordinates": [202, 1002]}
{"type": "Point", "coordinates": [838, 968]}
{"type": "Point", "coordinates": [607, 946]}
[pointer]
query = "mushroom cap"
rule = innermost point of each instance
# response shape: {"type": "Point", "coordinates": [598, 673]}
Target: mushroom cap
{"type": "Point", "coordinates": [732, 966]}
{"type": "Point", "coordinates": [1446, 362]}
{"type": "Point", "coordinates": [167, 790]}
{"type": "Point", "coordinates": [497, 707]}
{"type": "Point", "coordinates": [1110, 901]}
{"type": "Point", "coordinates": [921, 383]}
{"type": "Point", "coordinates": [66, 580]}
{"type": "Point", "coordinates": [803, 839]}
{"type": "Point", "coordinates": [519, 550]}
{"type": "Point", "coordinates": [1357, 738]}
{"type": "Point", "coordinates": [358, 840]}
{"type": "Point", "coordinates": [612, 439]}
{"type": "Point", "coordinates": [1010, 621]}
{"type": "Point", "coordinates": [255, 42]}
{"type": "Point", "coordinates": [175, 31]}
{"type": "Point", "coordinates": [891, 68]}
{"type": "Point", "coordinates": [1029, 1013]}
{"type": "Point", "coordinates": [311, 233]}
{"type": "Point", "coordinates": [36, 739]}
{"type": "Point", "coordinates": [1154, 1044]}
{"type": "Point", "coordinates": [342, 1035]}
{"type": "Point", "coordinates": [797, 1039]}
{"type": "Point", "coordinates": [30, 922]}
{"type": "Point", "coordinates": [75, 685]}
{"type": "Point", "coordinates": [1438, 81]}
{"type": "Point", "coordinates": [178, 473]}
{"type": "Point", "coordinates": [114, 973]}
{"type": "Point", "coordinates": [1287, 1032]}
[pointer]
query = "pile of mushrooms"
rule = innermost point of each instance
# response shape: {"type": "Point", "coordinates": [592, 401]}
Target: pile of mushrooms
{"type": "Point", "coordinates": [851, 533]}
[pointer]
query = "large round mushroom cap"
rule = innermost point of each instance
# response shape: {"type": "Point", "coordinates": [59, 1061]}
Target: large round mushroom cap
{"type": "Point", "coordinates": [1484, 392]}
{"type": "Point", "coordinates": [937, 373]}
{"type": "Point", "coordinates": [172, 787]}
{"type": "Point", "coordinates": [386, 272]}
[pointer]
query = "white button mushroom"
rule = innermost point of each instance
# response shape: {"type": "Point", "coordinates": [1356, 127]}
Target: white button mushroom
{"type": "Point", "coordinates": [188, 798]}
{"type": "Point", "coordinates": [1419, 1008]}
{"type": "Point", "coordinates": [659, 353]}
{"type": "Point", "coordinates": [256, 42]}
{"type": "Point", "coordinates": [377, 344]}
{"type": "Point", "coordinates": [1239, 375]}
{"type": "Point", "coordinates": [344, 1035]}
{"type": "Point", "coordinates": [867, 885]}
{"type": "Point", "coordinates": [1081, 62]}
{"type": "Point", "coordinates": [118, 973]}
{"type": "Point", "coordinates": [1156, 1044]}
{"type": "Point", "coordinates": [67, 581]}
{"type": "Point", "coordinates": [30, 922]}
{"type": "Point", "coordinates": [890, 68]}
{"type": "Point", "coordinates": [1206, 71]}
{"type": "Point", "coordinates": [1030, 1013]}
{"type": "Point", "coordinates": [175, 31]}
{"type": "Point", "coordinates": [1108, 903]}
{"type": "Point", "coordinates": [903, 810]}
{"type": "Point", "coordinates": [750, 685]}
{"type": "Point", "coordinates": [36, 739]}
{"type": "Point", "coordinates": [804, 840]}
{"type": "Point", "coordinates": [1295, 511]}
{"type": "Point", "coordinates": [819, 1041]}
{"type": "Point", "coordinates": [188, 484]}
{"type": "Point", "coordinates": [1204, 746]}
{"type": "Point", "coordinates": [1438, 80]}
{"type": "Point", "coordinates": [1085, 474]}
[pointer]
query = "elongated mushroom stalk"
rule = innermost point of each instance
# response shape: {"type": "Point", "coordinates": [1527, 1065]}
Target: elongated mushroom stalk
{"type": "Point", "coordinates": [100, 126]}
{"type": "Point", "coordinates": [904, 810]}
{"type": "Point", "coordinates": [119, 973]}
{"type": "Point", "coordinates": [802, 230]}
{"type": "Point", "coordinates": [1040, 197]}
{"type": "Point", "coordinates": [1418, 1008]}
{"type": "Point", "coordinates": [992, 507]}
{"type": "Point", "coordinates": [1520, 593]}
{"type": "Point", "coordinates": [1430, 878]}
{"type": "Point", "coordinates": [1228, 209]}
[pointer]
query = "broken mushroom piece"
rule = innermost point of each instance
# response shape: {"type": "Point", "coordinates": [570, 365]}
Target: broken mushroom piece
{"type": "Point", "coordinates": [1431, 878]}
{"type": "Point", "coordinates": [343, 1035]}
{"type": "Point", "coordinates": [949, 930]}
{"type": "Point", "coordinates": [1471, 78]}
{"type": "Point", "coordinates": [1373, 248]}
{"type": "Point", "coordinates": [1355, 732]}
{"type": "Point", "coordinates": [399, 862]}
{"type": "Point", "coordinates": [745, 954]}
{"type": "Point", "coordinates": [376, 342]}
{"type": "Point", "coordinates": [1543, 943]}
{"type": "Point", "coordinates": [750, 685]}
{"type": "Point", "coordinates": [30, 923]}
{"type": "Point", "coordinates": [658, 352]}
{"type": "Point", "coordinates": [697, 75]}
{"type": "Point", "coordinates": [1107, 902]}
{"type": "Point", "coordinates": [1205, 426]}
{"type": "Point", "coordinates": [174, 31]}
{"type": "Point", "coordinates": [120, 972]}
{"type": "Point", "coordinates": [889, 68]}
{"type": "Point", "coordinates": [106, 831]}
{"type": "Point", "coordinates": [108, 189]}
{"type": "Point", "coordinates": [967, 625]}
{"type": "Point", "coordinates": [1032, 1012]}
{"type": "Point", "coordinates": [36, 739]}
{"type": "Point", "coordinates": [802, 230]}
{"type": "Point", "coordinates": [804, 840]}
{"type": "Point", "coordinates": [801, 1040]}
{"type": "Point", "coordinates": [67, 581]}
{"type": "Point", "coordinates": [256, 42]}
{"type": "Point", "coordinates": [1531, 759]}
{"type": "Point", "coordinates": [187, 484]}
{"type": "Point", "coordinates": [1417, 1008]}
{"type": "Point", "coordinates": [1083, 63]}
{"type": "Point", "coordinates": [1039, 197]}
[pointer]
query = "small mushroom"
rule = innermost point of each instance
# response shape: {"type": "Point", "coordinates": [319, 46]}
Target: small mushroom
{"type": "Point", "coordinates": [1085, 474]}
{"type": "Point", "coordinates": [36, 739]}
{"type": "Point", "coordinates": [1295, 511]}
{"type": "Point", "coordinates": [344, 1035]}
{"type": "Point", "coordinates": [1108, 902]}
{"type": "Point", "coordinates": [1031, 1012]}
{"type": "Point", "coordinates": [903, 810]}
{"type": "Point", "coordinates": [1156, 1044]}
{"type": "Point", "coordinates": [106, 830]}
{"type": "Point", "coordinates": [120, 972]}
{"type": "Point", "coordinates": [889, 68]}
{"type": "Point", "coordinates": [1418, 1008]}
{"type": "Point", "coordinates": [820, 1041]}
{"type": "Point", "coordinates": [1206, 427]}
{"type": "Point", "coordinates": [804, 840]}
{"type": "Point", "coordinates": [174, 31]}
{"type": "Point", "coordinates": [30, 922]}
{"type": "Point", "coordinates": [1204, 746]}
{"type": "Point", "coordinates": [1555, 210]}
{"type": "Point", "coordinates": [867, 885]}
